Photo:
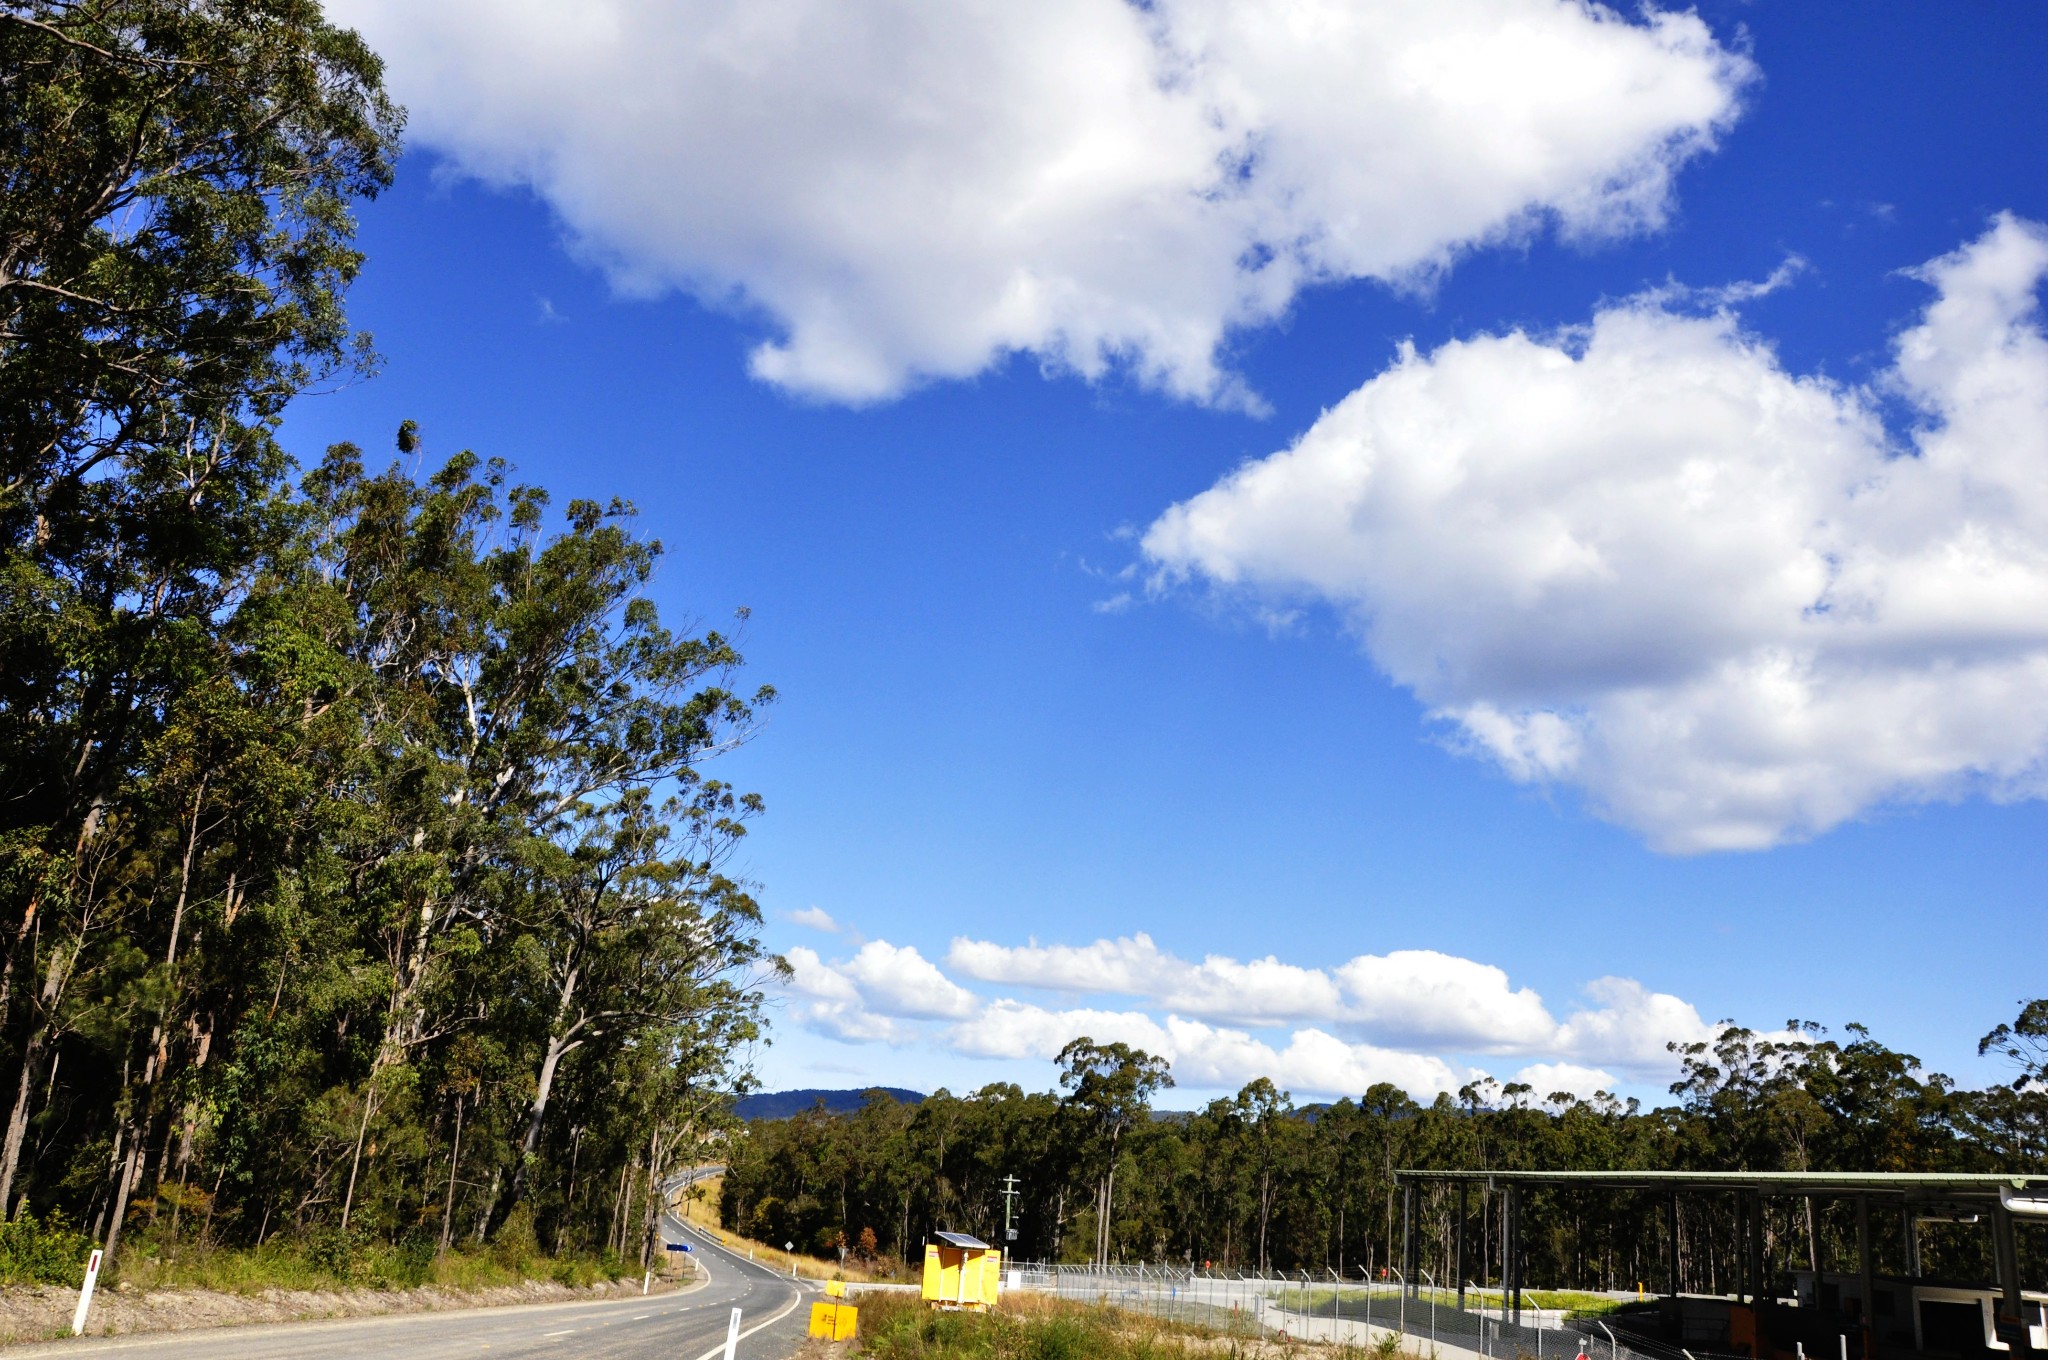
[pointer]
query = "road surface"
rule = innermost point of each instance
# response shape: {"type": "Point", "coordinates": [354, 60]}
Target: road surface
{"type": "Point", "coordinates": [690, 1325]}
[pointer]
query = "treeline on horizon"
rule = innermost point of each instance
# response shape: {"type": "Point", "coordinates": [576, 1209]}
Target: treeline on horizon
{"type": "Point", "coordinates": [1253, 1183]}
{"type": "Point", "coordinates": [359, 878]}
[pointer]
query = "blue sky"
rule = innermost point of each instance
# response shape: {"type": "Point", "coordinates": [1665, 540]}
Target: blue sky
{"type": "Point", "coordinates": [1398, 751]}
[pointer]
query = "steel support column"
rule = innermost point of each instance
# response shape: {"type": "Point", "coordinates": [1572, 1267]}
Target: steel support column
{"type": "Point", "coordinates": [1407, 1236]}
{"type": "Point", "coordinates": [2009, 1309]}
{"type": "Point", "coordinates": [1866, 1268]}
{"type": "Point", "coordinates": [1461, 1246]}
{"type": "Point", "coordinates": [1671, 1245]}
{"type": "Point", "coordinates": [1513, 1266]}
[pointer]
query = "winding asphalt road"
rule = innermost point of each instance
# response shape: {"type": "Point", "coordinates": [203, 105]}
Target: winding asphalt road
{"type": "Point", "coordinates": [689, 1325]}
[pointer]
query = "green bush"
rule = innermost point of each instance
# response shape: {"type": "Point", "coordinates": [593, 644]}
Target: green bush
{"type": "Point", "coordinates": [407, 1264]}
{"type": "Point", "coordinates": [49, 1252]}
{"type": "Point", "coordinates": [514, 1246]}
{"type": "Point", "coordinates": [334, 1251]}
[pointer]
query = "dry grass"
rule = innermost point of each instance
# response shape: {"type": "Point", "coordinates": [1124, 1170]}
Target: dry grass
{"type": "Point", "coordinates": [1038, 1327]}
{"type": "Point", "coordinates": [698, 1205]}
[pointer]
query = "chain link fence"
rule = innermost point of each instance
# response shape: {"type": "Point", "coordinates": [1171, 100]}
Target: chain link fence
{"type": "Point", "coordinates": [1303, 1307]}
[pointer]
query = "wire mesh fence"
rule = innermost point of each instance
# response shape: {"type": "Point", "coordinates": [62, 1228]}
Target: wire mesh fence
{"type": "Point", "coordinates": [1302, 1307]}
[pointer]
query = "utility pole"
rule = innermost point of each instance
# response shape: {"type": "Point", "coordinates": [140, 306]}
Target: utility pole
{"type": "Point", "coordinates": [1010, 1192]}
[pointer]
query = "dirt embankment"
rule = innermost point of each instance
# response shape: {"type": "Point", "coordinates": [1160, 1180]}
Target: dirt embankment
{"type": "Point", "coordinates": [39, 1314]}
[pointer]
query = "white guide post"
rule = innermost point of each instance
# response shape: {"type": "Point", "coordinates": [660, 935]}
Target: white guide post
{"type": "Point", "coordinates": [92, 1275]}
{"type": "Point", "coordinates": [732, 1335]}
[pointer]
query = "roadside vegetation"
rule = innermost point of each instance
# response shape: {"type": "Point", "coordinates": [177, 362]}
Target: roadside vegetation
{"type": "Point", "coordinates": [1034, 1327]}
{"type": "Point", "coordinates": [699, 1205]}
{"type": "Point", "coordinates": [364, 905]}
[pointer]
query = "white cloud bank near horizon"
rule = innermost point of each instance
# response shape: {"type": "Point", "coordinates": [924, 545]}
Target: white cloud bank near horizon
{"type": "Point", "coordinates": [1427, 1022]}
{"type": "Point", "coordinates": [906, 191]}
{"type": "Point", "coordinates": [1643, 560]}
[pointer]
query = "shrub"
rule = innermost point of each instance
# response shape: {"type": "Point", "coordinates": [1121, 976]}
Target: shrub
{"type": "Point", "coordinates": [407, 1264]}
{"type": "Point", "coordinates": [49, 1252]}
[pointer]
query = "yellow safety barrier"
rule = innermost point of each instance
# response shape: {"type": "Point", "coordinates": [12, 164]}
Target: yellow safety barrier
{"type": "Point", "coordinates": [834, 1321]}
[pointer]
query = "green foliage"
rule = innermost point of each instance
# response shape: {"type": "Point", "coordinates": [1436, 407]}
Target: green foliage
{"type": "Point", "coordinates": [324, 1259]}
{"type": "Point", "coordinates": [363, 897]}
{"type": "Point", "coordinates": [895, 1327]}
{"type": "Point", "coordinates": [1251, 1182]}
{"type": "Point", "coordinates": [45, 1252]}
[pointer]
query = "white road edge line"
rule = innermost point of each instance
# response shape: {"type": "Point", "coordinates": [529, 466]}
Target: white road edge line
{"type": "Point", "coordinates": [787, 1309]}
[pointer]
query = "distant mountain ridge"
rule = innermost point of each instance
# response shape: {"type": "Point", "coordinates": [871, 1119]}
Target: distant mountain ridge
{"type": "Point", "coordinates": [783, 1104]}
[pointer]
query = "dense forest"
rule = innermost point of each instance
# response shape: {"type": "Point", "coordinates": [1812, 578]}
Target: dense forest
{"type": "Point", "coordinates": [1253, 1183]}
{"type": "Point", "coordinates": [359, 870]}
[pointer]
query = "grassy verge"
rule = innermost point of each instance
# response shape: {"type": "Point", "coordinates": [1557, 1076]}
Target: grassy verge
{"type": "Point", "coordinates": [1034, 1327]}
{"type": "Point", "coordinates": [53, 1253]}
{"type": "Point", "coordinates": [1564, 1300]}
{"type": "Point", "coordinates": [323, 1265]}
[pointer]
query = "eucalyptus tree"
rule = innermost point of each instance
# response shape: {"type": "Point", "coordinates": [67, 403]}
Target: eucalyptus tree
{"type": "Point", "coordinates": [1109, 1087]}
{"type": "Point", "coordinates": [1256, 1115]}
{"type": "Point", "coordinates": [629, 928]}
{"type": "Point", "coordinates": [175, 241]}
{"type": "Point", "coordinates": [520, 683]}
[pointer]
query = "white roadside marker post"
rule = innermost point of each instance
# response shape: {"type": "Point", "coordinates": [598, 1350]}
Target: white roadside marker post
{"type": "Point", "coordinates": [732, 1335]}
{"type": "Point", "coordinates": [92, 1275]}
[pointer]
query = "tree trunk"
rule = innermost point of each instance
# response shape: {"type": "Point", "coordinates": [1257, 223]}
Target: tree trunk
{"type": "Point", "coordinates": [55, 979]}
{"type": "Point", "coordinates": [130, 1171]}
{"type": "Point", "coordinates": [355, 1161]}
{"type": "Point", "coordinates": [159, 1040]}
{"type": "Point", "coordinates": [483, 1218]}
{"type": "Point", "coordinates": [561, 1042]}
{"type": "Point", "coordinates": [1265, 1213]}
{"type": "Point", "coordinates": [611, 1234]}
{"type": "Point", "coordinates": [454, 1165]}
{"type": "Point", "coordinates": [17, 1119]}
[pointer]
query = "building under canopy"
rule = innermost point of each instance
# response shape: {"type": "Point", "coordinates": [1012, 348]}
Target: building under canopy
{"type": "Point", "coordinates": [1887, 1305]}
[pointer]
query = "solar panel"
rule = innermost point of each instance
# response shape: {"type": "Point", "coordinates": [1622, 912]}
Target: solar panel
{"type": "Point", "coordinates": [953, 1239]}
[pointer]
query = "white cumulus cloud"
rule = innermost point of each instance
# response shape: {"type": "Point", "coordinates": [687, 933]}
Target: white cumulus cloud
{"type": "Point", "coordinates": [1412, 998]}
{"type": "Point", "coordinates": [900, 981]}
{"type": "Point", "coordinates": [1548, 1079]}
{"type": "Point", "coordinates": [1203, 1055]}
{"type": "Point", "coordinates": [1645, 560]}
{"type": "Point", "coordinates": [1259, 991]}
{"type": "Point", "coordinates": [903, 190]}
{"type": "Point", "coordinates": [869, 996]}
{"type": "Point", "coordinates": [1404, 1017]}
{"type": "Point", "coordinates": [1426, 996]}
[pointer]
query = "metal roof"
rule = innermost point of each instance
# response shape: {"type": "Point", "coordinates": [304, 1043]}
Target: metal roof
{"type": "Point", "coordinates": [953, 1239]}
{"type": "Point", "coordinates": [1915, 1185]}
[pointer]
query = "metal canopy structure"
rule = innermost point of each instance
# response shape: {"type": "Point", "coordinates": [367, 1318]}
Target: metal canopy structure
{"type": "Point", "coordinates": [1941, 1187]}
{"type": "Point", "coordinates": [1998, 1198]}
